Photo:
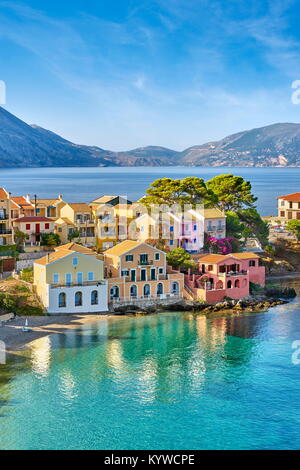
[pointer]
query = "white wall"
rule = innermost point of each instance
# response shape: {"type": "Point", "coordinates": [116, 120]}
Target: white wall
{"type": "Point", "coordinates": [70, 292]}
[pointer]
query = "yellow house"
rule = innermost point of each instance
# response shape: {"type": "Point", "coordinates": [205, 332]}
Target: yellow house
{"type": "Point", "coordinates": [112, 215]}
{"type": "Point", "coordinates": [48, 207]}
{"type": "Point", "coordinates": [76, 217]}
{"type": "Point", "coordinates": [68, 281]}
{"type": "Point", "coordinates": [289, 207]}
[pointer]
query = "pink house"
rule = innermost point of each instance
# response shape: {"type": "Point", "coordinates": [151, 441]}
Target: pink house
{"type": "Point", "coordinates": [225, 276]}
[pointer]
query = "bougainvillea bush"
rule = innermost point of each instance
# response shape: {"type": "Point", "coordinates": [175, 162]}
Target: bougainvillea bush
{"type": "Point", "coordinates": [222, 246]}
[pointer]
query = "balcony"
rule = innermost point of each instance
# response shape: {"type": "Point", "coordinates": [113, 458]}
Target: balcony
{"type": "Point", "coordinates": [3, 217]}
{"type": "Point", "coordinates": [5, 231]}
{"type": "Point", "coordinates": [118, 300]}
{"type": "Point", "coordinates": [146, 262]}
{"type": "Point", "coordinates": [77, 284]}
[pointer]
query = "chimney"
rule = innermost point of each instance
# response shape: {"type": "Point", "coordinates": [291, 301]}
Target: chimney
{"type": "Point", "coordinates": [60, 196]}
{"type": "Point", "coordinates": [48, 257]}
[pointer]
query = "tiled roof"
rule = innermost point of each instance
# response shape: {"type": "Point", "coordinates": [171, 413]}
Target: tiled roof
{"type": "Point", "coordinates": [79, 206]}
{"type": "Point", "coordinates": [122, 247]}
{"type": "Point", "coordinates": [46, 202]}
{"type": "Point", "coordinates": [294, 197]}
{"type": "Point", "coordinates": [104, 199]}
{"type": "Point", "coordinates": [215, 258]}
{"type": "Point", "coordinates": [53, 256]}
{"type": "Point", "coordinates": [65, 220]}
{"type": "Point", "coordinates": [76, 247]}
{"type": "Point", "coordinates": [3, 194]}
{"type": "Point", "coordinates": [34, 219]}
{"type": "Point", "coordinates": [21, 201]}
{"type": "Point", "coordinates": [213, 213]}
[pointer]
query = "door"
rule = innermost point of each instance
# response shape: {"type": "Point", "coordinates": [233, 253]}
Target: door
{"type": "Point", "coordinates": [68, 279]}
{"type": "Point", "coordinates": [143, 274]}
{"type": "Point", "coordinates": [290, 215]}
{"type": "Point", "coordinates": [132, 274]}
{"type": "Point", "coordinates": [153, 274]}
{"type": "Point", "coordinates": [37, 228]}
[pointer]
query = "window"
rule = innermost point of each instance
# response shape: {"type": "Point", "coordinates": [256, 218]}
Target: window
{"type": "Point", "coordinates": [195, 227]}
{"type": "Point", "coordinates": [171, 228]}
{"type": "Point", "coordinates": [251, 263]}
{"type": "Point", "coordinates": [132, 274]}
{"type": "Point", "coordinates": [143, 274]}
{"type": "Point", "coordinates": [210, 267]}
{"type": "Point", "coordinates": [171, 242]}
{"type": "Point", "coordinates": [153, 274]}
{"type": "Point", "coordinates": [75, 261]}
{"type": "Point", "coordinates": [79, 278]}
{"type": "Point", "coordinates": [38, 211]}
{"type": "Point", "coordinates": [55, 278]}
{"type": "Point", "coordinates": [94, 297]}
{"type": "Point", "coordinates": [229, 285]}
{"type": "Point", "coordinates": [282, 203]}
{"type": "Point", "coordinates": [27, 226]}
{"type": "Point", "coordinates": [90, 276]}
{"type": "Point", "coordinates": [114, 292]}
{"type": "Point", "coordinates": [282, 213]}
{"type": "Point", "coordinates": [125, 272]}
{"type": "Point", "coordinates": [291, 205]}
{"type": "Point", "coordinates": [175, 288]}
{"type": "Point", "coordinates": [161, 270]}
{"type": "Point", "coordinates": [133, 291]}
{"type": "Point", "coordinates": [47, 226]}
{"type": "Point", "coordinates": [160, 289]}
{"type": "Point", "coordinates": [68, 278]}
{"type": "Point", "coordinates": [78, 299]}
{"type": "Point", "coordinates": [144, 259]}
{"type": "Point", "coordinates": [129, 258]}
{"type": "Point", "coordinates": [157, 256]}
{"type": "Point", "coordinates": [147, 290]}
{"type": "Point", "coordinates": [60, 229]}
{"type": "Point", "coordinates": [142, 228]}
{"type": "Point", "coordinates": [62, 300]}
{"type": "Point", "coordinates": [186, 227]}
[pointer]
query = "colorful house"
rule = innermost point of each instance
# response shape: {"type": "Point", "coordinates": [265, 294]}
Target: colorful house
{"type": "Point", "coordinates": [34, 227]}
{"type": "Point", "coordinates": [71, 281]}
{"type": "Point", "coordinates": [6, 233]}
{"type": "Point", "coordinates": [23, 206]}
{"type": "Point", "coordinates": [136, 270]}
{"type": "Point", "coordinates": [48, 207]}
{"type": "Point", "coordinates": [78, 218]}
{"type": "Point", "coordinates": [225, 276]}
{"type": "Point", "coordinates": [185, 230]}
{"type": "Point", "coordinates": [112, 215]}
{"type": "Point", "coordinates": [289, 206]}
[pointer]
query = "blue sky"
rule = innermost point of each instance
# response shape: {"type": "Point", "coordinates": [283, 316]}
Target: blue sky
{"type": "Point", "coordinates": [126, 73]}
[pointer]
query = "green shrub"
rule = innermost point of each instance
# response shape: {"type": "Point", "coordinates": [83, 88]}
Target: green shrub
{"type": "Point", "coordinates": [27, 275]}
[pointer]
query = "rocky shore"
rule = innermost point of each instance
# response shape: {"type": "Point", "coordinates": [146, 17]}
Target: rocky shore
{"type": "Point", "coordinates": [266, 298]}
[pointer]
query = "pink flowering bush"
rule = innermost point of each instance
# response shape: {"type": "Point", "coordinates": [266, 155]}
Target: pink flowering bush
{"type": "Point", "coordinates": [222, 246]}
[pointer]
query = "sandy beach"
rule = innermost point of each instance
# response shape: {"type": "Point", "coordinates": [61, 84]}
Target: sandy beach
{"type": "Point", "coordinates": [15, 339]}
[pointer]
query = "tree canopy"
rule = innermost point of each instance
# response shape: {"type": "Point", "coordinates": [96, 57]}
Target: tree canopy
{"type": "Point", "coordinates": [293, 226]}
{"type": "Point", "coordinates": [191, 190]}
{"type": "Point", "coordinates": [232, 192]}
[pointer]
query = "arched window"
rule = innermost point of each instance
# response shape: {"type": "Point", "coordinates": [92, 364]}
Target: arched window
{"type": "Point", "coordinates": [147, 290]}
{"type": "Point", "coordinates": [175, 288]}
{"type": "Point", "coordinates": [94, 297]}
{"type": "Point", "coordinates": [78, 299]}
{"type": "Point", "coordinates": [229, 285]}
{"type": "Point", "coordinates": [237, 283]}
{"type": "Point", "coordinates": [114, 292]}
{"type": "Point", "coordinates": [62, 300]}
{"type": "Point", "coordinates": [133, 291]}
{"type": "Point", "coordinates": [219, 285]}
{"type": "Point", "coordinates": [160, 289]}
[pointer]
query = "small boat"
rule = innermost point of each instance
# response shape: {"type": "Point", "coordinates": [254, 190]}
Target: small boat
{"type": "Point", "coordinates": [25, 328]}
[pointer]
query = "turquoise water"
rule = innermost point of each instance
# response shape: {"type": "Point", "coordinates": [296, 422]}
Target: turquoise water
{"type": "Point", "coordinates": [167, 381]}
{"type": "Point", "coordinates": [85, 184]}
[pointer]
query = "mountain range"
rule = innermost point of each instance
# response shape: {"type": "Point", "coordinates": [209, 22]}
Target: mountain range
{"type": "Point", "coordinates": [24, 145]}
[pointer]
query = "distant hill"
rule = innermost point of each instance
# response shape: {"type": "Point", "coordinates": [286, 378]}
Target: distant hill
{"type": "Point", "coordinates": [274, 145]}
{"type": "Point", "coordinates": [24, 145]}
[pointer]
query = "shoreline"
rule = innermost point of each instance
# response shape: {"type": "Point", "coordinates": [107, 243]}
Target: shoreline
{"type": "Point", "coordinates": [40, 326]}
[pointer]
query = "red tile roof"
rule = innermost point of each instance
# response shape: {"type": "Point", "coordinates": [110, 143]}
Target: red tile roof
{"type": "Point", "coordinates": [294, 197]}
{"type": "Point", "coordinates": [33, 219]}
{"type": "Point", "coordinates": [3, 194]}
{"type": "Point", "coordinates": [21, 201]}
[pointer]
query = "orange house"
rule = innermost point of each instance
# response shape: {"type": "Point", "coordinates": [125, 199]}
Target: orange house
{"type": "Point", "coordinates": [136, 270]}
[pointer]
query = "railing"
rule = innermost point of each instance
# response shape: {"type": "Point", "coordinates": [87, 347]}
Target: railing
{"type": "Point", "coordinates": [145, 263]}
{"type": "Point", "coordinates": [4, 217]}
{"type": "Point", "coordinates": [6, 232]}
{"type": "Point", "coordinates": [77, 284]}
{"type": "Point", "coordinates": [145, 297]}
